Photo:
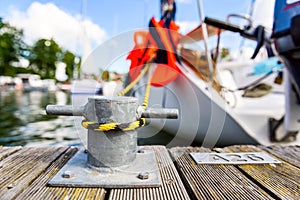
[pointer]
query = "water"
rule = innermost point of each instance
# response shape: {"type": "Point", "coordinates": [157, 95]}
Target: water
{"type": "Point", "coordinates": [23, 120]}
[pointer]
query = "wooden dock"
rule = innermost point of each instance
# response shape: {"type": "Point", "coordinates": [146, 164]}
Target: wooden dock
{"type": "Point", "coordinates": [25, 172]}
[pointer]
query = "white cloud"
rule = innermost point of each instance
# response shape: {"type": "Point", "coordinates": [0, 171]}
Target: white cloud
{"type": "Point", "coordinates": [49, 21]}
{"type": "Point", "coordinates": [187, 26]}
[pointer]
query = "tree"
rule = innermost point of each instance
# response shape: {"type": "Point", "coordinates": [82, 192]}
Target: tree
{"type": "Point", "coordinates": [69, 59]}
{"type": "Point", "coordinates": [44, 54]}
{"type": "Point", "coordinates": [12, 48]}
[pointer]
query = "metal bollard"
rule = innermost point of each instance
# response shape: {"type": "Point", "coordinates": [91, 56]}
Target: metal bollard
{"type": "Point", "coordinates": [112, 157]}
{"type": "Point", "coordinates": [111, 148]}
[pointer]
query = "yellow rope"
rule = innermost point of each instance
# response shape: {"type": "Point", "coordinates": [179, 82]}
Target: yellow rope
{"type": "Point", "coordinates": [147, 92]}
{"type": "Point", "coordinates": [95, 126]}
{"type": "Point", "coordinates": [130, 86]}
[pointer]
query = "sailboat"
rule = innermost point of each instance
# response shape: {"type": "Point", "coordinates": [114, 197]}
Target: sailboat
{"type": "Point", "coordinates": [211, 117]}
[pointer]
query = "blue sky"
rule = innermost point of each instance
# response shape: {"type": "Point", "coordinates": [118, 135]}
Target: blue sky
{"type": "Point", "coordinates": [103, 19]}
{"type": "Point", "coordinates": [117, 16]}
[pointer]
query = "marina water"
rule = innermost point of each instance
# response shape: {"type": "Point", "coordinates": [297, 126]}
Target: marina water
{"type": "Point", "coordinates": [23, 120]}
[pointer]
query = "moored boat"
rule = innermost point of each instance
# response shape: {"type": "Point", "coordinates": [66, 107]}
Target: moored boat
{"type": "Point", "coordinates": [207, 115]}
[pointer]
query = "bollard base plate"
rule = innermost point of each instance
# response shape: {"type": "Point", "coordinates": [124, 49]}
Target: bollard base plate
{"type": "Point", "coordinates": [80, 175]}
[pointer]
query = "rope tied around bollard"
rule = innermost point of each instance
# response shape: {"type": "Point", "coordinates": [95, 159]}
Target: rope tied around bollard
{"type": "Point", "coordinates": [95, 126]}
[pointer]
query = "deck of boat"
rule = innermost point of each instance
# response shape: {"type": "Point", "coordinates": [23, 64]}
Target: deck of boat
{"type": "Point", "coordinates": [24, 173]}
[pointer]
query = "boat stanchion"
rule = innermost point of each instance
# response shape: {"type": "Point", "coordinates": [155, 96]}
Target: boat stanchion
{"type": "Point", "coordinates": [111, 154]}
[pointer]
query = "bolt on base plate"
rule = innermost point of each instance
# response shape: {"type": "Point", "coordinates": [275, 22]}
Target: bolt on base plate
{"type": "Point", "coordinates": [143, 172]}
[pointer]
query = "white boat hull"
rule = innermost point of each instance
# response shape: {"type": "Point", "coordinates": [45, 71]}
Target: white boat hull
{"type": "Point", "coordinates": [206, 118]}
{"type": "Point", "coordinates": [203, 115]}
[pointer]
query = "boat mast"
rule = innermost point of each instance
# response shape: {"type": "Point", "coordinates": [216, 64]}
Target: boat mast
{"type": "Point", "coordinates": [205, 37]}
{"type": "Point", "coordinates": [87, 68]}
{"type": "Point", "coordinates": [250, 13]}
{"type": "Point", "coordinates": [82, 17]}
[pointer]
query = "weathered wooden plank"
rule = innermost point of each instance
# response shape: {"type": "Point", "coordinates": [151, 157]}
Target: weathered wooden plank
{"type": "Point", "coordinates": [214, 181]}
{"type": "Point", "coordinates": [279, 180]}
{"type": "Point", "coordinates": [172, 186]}
{"type": "Point", "coordinates": [15, 164]}
{"type": "Point", "coordinates": [24, 173]}
{"type": "Point", "coordinates": [7, 151]}
{"type": "Point", "coordinates": [21, 168]}
{"type": "Point", "coordinates": [38, 189]}
{"type": "Point", "coordinates": [290, 154]}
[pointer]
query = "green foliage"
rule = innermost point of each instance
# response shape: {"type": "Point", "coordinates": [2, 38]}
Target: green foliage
{"type": "Point", "coordinates": [42, 56]}
{"type": "Point", "coordinates": [12, 48]}
{"type": "Point", "coordinates": [225, 52]}
{"type": "Point", "coordinates": [69, 59]}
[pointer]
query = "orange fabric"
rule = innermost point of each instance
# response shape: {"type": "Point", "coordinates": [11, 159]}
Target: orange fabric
{"type": "Point", "coordinates": [146, 47]}
{"type": "Point", "coordinates": [140, 53]}
{"type": "Point", "coordinates": [163, 75]}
